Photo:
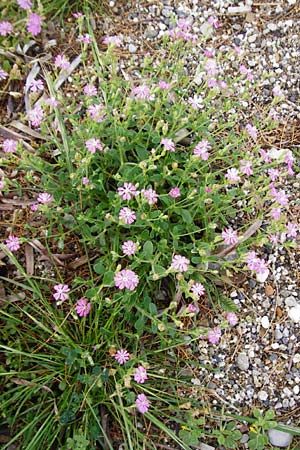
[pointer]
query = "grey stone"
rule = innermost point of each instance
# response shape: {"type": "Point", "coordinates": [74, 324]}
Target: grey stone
{"type": "Point", "coordinates": [205, 447]}
{"type": "Point", "coordinates": [279, 438]}
{"type": "Point", "coordinates": [242, 361]}
{"type": "Point", "coordinates": [132, 48]}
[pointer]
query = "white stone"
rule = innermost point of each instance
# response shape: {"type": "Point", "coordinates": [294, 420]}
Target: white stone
{"type": "Point", "coordinates": [265, 323]}
{"type": "Point", "coordinates": [296, 389]}
{"type": "Point", "coordinates": [296, 358]}
{"type": "Point", "coordinates": [261, 277]}
{"type": "Point", "coordinates": [279, 438]}
{"type": "Point", "coordinates": [294, 313]}
{"type": "Point", "coordinates": [262, 395]}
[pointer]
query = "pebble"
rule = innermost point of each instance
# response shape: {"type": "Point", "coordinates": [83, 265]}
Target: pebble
{"type": "Point", "coordinates": [265, 323]}
{"type": "Point", "coordinates": [132, 48]}
{"type": "Point", "coordinates": [290, 301]}
{"type": "Point", "coordinates": [262, 395]}
{"type": "Point", "coordinates": [294, 313]}
{"type": "Point", "coordinates": [242, 361]}
{"type": "Point", "coordinates": [279, 438]}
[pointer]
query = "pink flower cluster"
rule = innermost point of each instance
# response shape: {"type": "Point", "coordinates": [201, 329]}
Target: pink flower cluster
{"type": "Point", "coordinates": [126, 279]}
{"type": "Point", "coordinates": [5, 28]}
{"type": "Point", "coordinates": [34, 24]}
{"type": "Point", "coordinates": [12, 243]}
{"type": "Point", "coordinates": [180, 263]}
{"type": "Point", "coordinates": [202, 148]}
{"type": "Point", "coordinates": [9, 145]}
{"type": "Point", "coordinates": [258, 265]}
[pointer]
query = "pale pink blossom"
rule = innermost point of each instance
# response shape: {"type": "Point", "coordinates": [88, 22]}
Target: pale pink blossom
{"type": "Point", "coordinates": [9, 145]}
{"type": "Point", "coordinates": [233, 175]}
{"type": "Point", "coordinates": [140, 374]}
{"type": "Point", "coordinates": [281, 198]}
{"type": "Point", "coordinates": [3, 74]}
{"type": "Point", "coordinates": [214, 335]}
{"type": "Point", "coordinates": [232, 318]}
{"type": "Point", "coordinates": [113, 40]}
{"type": "Point", "coordinates": [36, 116]}
{"type": "Point", "coordinates": [168, 144]}
{"type": "Point", "coordinates": [34, 207]}
{"type": "Point", "coordinates": [292, 230]}
{"type": "Point", "coordinates": [246, 167]}
{"type": "Point", "coordinates": [34, 24]}
{"type": "Point", "coordinates": [122, 356]}
{"type": "Point", "coordinates": [127, 191]}
{"type": "Point", "coordinates": [90, 90]}
{"type": "Point", "coordinates": [277, 92]}
{"type": "Point", "coordinates": [265, 156]}
{"type": "Point", "coordinates": [184, 24]}
{"type": "Point", "coordinates": [191, 308]}
{"type": "Point", "coordinates": [163, 85]}
{"type": "Point", "coordinates": [230, 236]}
{"type": "Point", "coordinates": [150, 195]}
{"type": "Point", "coordinates": [202, 148]}
{"type": "Point", "coordinates": [174, 192]}
{"type": "Point", "coordinates": [212, 20]}
{"type": "Point", "coordinates": [251, 130]}
{"type": "Point", "coordinates": [274, 174]}
{"type": "Point", "coordinates": [85, 39]}
{"type": "Point", "coordinates": [211, 82]}
{"type": "Point", "coordinates": [93, 144]}
{"type": "Point", "coordinates": [129, 248]}
{"type": "Point", "coordinates": [195, 102]}
{"type": "Point", "coordinates": [5, 28]}
{"type": "Point", "coordinates": [126, 279]}
{"type": "Point", "coordinates": [12, 243]}
{"type": "Point", "coordinates": [44, 198]}
{"type": "Point", "coordinates": [198, 289]}
{"type": "Point", "coordinates": [36, 86]}
{"type": "Point", "coordinates": [142, 92]}
{"type": "Point", "coordinates": [275, 213]}
{"type": "Point", "coordinates": [51, 101]}
{"type": "Point", "coordinates": [25, 4]}
{"type": "Point", "coordinates": [180, 263]}
{"type": "Point", "coordinates": [83, 307]}
{"type": "Point", "coordinates": [61, 293]}
{"type": "Point", "coordinates": [274, 238]}
{"type": "Point", "coordinates": [127, 215]}
{"type": "Point", "coordinates": [96, 112]}
{"type": "Point", "coordinates": [210, 67]}
{"type": "Point", "coordinates": [62, 62]}
{"type": "Point", "coordinates": [142, 403]}
{"type": "Point", "coordinates": [85, 181]}
{"type": "Point", "coordinates": [255, 263]}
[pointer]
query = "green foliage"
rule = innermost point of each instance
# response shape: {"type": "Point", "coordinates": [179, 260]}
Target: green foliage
{"type": "Point", "coordinates": [258, 437]}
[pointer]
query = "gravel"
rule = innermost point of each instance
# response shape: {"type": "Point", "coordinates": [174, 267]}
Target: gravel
{"type": "Point", "coordinates": [279, 438]}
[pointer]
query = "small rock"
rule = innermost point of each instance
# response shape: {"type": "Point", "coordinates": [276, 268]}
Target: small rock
{"type": "Point", "coordinates": [290, 301]}
{"type": "Point", "coordinates": [242, 361]}
{"type": "Point", "coordinates": [205, 447]}
{"type": "Point", "coordinates": [132, 48]}
{"type": "Point", "coordinates": [296, 389]}
{"type": "Point", "coordinates": [265, 323]}
{"type": "Point", "coordinates": [279, 438]}
{"type": "Point", "coordinates": [294, 313]}
{"type": "Point", "coordinates": [262, 395]}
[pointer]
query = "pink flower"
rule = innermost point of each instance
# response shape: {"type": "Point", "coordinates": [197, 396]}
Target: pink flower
{"type": "Point", "coordinates": [90, 90]}
{"type": "Point", "coordinates": [214, 335]}
{"type": "Point", "coordinates": [127, 215]}
{"type": "Point", "coordinates": [184, 24]}
{"type": "Point", "coordinates": [292, 230]}
{"type": "Point", "coordinates": [264, 155]}
{"type": "Point", "coordinates": [230, 236]}
{"type": "Point", "coordinates": [211, 82]}
{"type": "Point", "coordinates": [198, 289]}
{"type": "Point", "coordinates": [273, 238]}
{"type": "Point", "coordinates": [51, 101]}
{"type": "Point", "coordinates": [85, 181]}
{"type": "Point", "coordinates": [82, 307]}
{"type": "Point", "coordinates": [210, 67]}
{"type": "Point", "coordinates": [180, 263]}
{"type": "Point", "coordinates": [222, 84]}
{"type": "Point", "coordinates": [212, 20]}
{"type": "Point", "coordinates": [195, 102]}
{"type": "Point", "coordinates": [174, 192]}
{"type": "Point", "coordinates": [142, 403]}
{"type": "Point", "coordinates": [61, 62]}
{"type": "Point", "coordinates": [163, 85]}
{"type": "Point", "coordinates": [140, 375]}
{"type": "Point", "coordinates": [86, 38]}
{"type": "Point", "coordinates": [128, 191]}
{"type": "Point", "coordinates": [277, 92]}
{"type": "Point", "coordinates": [232, 318]}
{"type": "Point", "coordinates": [274, 174]}
{"type": "Point", "coordinates": [122, 356]}
{"type": "Point", "coordinates": [191, 308]}
{"type": "Point", "coordinates": [25, 4]}
{"type": "Point", "coordinates": [36, 85]}
{"type": "Point", "coordinates": [275, 213]}
{"type": "Point", "coordinates": [61, 292]}
{"type": "Point", "coordinates": [251, 130]}
{"type": "Point", "coordinates": [93, 144]}
{"type": "Point", "coordinates": [113, 40]}
{"type": "Point", "coordinates": [255, 263]}
{"type": "Point", "coordinates": [96, 112]}
{"type": "Point", "coordinates": [246, 167]}
{"type": "Point", "coordinates": [142, 92]}
{"type": "Point", "coordinates": [233, 175]}
{"type": "Point", "coordinates": [34, 207]}
{"type": "Point", "coordinates": [44, 198]}
{"type": "Point", "coordinates": [129, 248]}
{"type": "Point", "coordinates": [9, 145]}
{"type": "Point", "coordinates": [168, 144]}
{"type": "Point", "coordinates": [281, 198]}
{"type": "Point", "coordinates": [36, 116]}
{"type": "Point", "coordinates": [202, 148]}
{"type": "Point", "coordinates": [5, 28]}
{"type": "Point", "coordinates": [126, 279]}
{"type": "Point", "coordinates": [150, 195]}
{"type": "Point", "coordinates": [3, 74]}
{"type": "Point", "coordinates": [12, 243]}
{"type": "Point", "coordinates": [34, 24]}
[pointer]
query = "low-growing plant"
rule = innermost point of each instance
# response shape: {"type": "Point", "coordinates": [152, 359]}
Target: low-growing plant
{"type": "Point", "coordinates": [156, 191]}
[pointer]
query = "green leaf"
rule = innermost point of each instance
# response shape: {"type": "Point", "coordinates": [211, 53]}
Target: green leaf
{"type": "Point", "coordinates": [270, 414]}
{"type": "Point", "coordinates": [148, 250]}
{"type": "Point", "coordinates": [186, 215]}
{"type": "Point", "coordinates": [99, 268]}
{"type": "Point", "coordinates": [153, 309]}
{"type": "Point", "coordinates": [108, 279]}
